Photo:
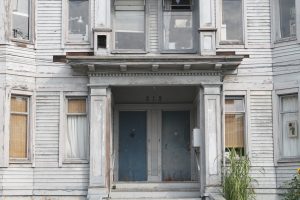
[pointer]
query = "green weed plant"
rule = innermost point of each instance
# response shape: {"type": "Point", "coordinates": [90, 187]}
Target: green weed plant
{"type": "Point", "coordinates": [237, 184]}
{"type": "Point", "coordinates": [293, 188]}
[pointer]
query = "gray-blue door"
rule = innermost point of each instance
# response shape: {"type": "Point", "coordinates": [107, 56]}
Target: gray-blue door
{"type": "Point", "coordinates": [132, 146]}
{"type": "Point", "coordinates": [176, 158]}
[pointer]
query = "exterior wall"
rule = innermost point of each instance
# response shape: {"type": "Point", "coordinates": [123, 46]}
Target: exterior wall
{"type": "Point", "coordinates": [286, 62]}
{"type": "Point", "coordinates": [30, 68]}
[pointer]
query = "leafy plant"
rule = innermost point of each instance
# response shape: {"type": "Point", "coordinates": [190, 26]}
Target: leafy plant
{"type": "Point", "coordinates": [293, 188]}
{"type": "Point", "coordinates": [237, 183]}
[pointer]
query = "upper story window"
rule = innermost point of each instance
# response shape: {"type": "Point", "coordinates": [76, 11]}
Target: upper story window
{"type": "Point", "coordinates": [235, 124]}
{"type": "Point", "coordinates": [78, 20]}
{"type": "Point", "coordinates": [129, 23]}
{"type": "Point", "coordinates": [232, 21]}
{"type": "Point", "coordinates": [289, 138]}
{"type": "Point", "coordinates": [19, 128]}
{"type": "Point", "coordinates": [178, 29]}
{"type": "Point", "coordinates": [21, 19]}
{"type": "Point", "coordinates": [286, 19]}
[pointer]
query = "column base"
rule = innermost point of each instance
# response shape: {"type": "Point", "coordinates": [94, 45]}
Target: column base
{"type": "Point", "coordinates": [97, 193]}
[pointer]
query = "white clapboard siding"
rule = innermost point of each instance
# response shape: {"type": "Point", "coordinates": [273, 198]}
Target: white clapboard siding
{"type": "Point", "coordinates": [153, 26]}
{"type": "Point", "coordinates": [261, 131]}
{"type": "Point", "coordinates": [17, 180]}
{"type": "Point", "coordinates": [258, 22]}
{"type": "Point", "coordinates": [47, 128]}
{"type": "Point", "coordinates": [49, 23]}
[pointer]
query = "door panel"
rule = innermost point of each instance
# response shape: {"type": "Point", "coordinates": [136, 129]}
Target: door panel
{"type": "Point", "coordinates": [176, 158]}
{"type": "Point", "coordinates": [132, 146]}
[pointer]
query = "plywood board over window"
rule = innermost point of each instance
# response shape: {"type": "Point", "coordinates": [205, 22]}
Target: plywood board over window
{"type": "Point", "coordinates": [19, 127]}
{"type": "Point", "coordinates": [235, 123]}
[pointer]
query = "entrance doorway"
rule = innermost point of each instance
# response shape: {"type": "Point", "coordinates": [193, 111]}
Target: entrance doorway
{"type": "Point", "coordinates": [152, 141]}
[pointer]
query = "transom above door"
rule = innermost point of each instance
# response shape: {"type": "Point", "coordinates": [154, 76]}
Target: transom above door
{"type": "Point", "coordinates": [152, 143]}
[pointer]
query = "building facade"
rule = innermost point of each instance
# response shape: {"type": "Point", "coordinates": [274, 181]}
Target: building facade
{"type": "Point", "coordinates": [129, 99]}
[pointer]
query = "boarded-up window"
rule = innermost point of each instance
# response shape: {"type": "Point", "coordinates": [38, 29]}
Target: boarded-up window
{"type": "Point", "coordinates": [178, 25]}
{"type": "Point", "coordinates": [232, 20]}
{"type": "Point", "coordinates": [290, 139]}
{"type": "Point", "coordinates": [76, 140]}
{"type": "Point", "coordinates": [21, 10]}
{"type": "Point", "coordinates": [287, 19]}
{"type": "Point", "coordinates": [78, 20]}
{"type": "Point", "coordinates": [234, 123]}
{"type": "Point", "coordinates": [130, 25]}
{"type": "Point", "coordinates": [19, 118]}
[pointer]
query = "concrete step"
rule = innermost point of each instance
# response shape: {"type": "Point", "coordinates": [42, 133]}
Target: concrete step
{"type": "Point", "coordinates": [161, 194]}
{"type": "Point", "coordinates": [155, 191]}
{"type": "Point", "coordinates": [160, 199]}
{"type": "Point", "coordinates": [155, 186]}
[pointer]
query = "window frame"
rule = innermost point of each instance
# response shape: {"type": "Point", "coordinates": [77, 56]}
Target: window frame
{"type": "Point", "coordinates": [65, 27]}
{"type": "Point", "coordinates": [30, 133]}
{"type": "Point", "coordinates": [230, 43]}
{"type": "Point", "coordinates": [244, 111]}
{"type": "Point", "coordinates": [128, 51]}
{"type": "Point", "coordinates": [31, 25]}
{"type": "Point", "coordinates": [161, 29]}
{"type": "Point", "coordinates": [276, 24]}
{"type": "Point", "coordinates": [64, 129]}
{"type": "Point", "coordinates": [277, 124]}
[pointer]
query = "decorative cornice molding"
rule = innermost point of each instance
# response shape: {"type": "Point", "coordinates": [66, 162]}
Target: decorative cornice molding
{"type": "Point", "coordinates": [135, 74]}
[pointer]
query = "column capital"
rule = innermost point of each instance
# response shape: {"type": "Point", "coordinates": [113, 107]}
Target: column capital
{"type": "Point", "coordinates": [212, 89]}
{"type": "Point", "coordinates": [99, 90]}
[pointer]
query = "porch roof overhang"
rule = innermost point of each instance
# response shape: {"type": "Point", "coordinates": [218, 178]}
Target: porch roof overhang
{"type": "Point", "coordinates": [128, 63]}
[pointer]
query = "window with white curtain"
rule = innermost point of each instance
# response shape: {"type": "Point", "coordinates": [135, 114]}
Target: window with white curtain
{"type": "Point", "coordinates": [289, 118]}
{"type": "Point", "coordinates": [76, 139]}
{"type": "Point", "coordinates": [129, 23]}
{"type": "Point", "coordinates": [178, 25]}
{"type": "Point", "coordinates": [235, 124]}
{"type": "Point", "coordinates": [21, 19]}
{"type": "Point", "coordinates": [78, 20]}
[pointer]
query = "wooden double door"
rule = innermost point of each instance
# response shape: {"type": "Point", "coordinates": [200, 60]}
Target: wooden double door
{"type": "Point", "coordinates": [154, 145]}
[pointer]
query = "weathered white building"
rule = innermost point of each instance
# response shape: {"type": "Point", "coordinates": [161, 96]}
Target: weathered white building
{"type": "Point", "coordinates": [100, 98]}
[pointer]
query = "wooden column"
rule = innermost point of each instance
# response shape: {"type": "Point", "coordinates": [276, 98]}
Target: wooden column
{"type": "Point", "coordinates": [98, 116]}
{"type": "Point", "coordinates": [212, 132]}
{"type": "Point", "coordinates": [207, 27]}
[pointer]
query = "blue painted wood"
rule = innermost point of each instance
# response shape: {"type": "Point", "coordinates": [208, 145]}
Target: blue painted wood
{"type": "Point", "coordinates": [132, 146]}
{"type": "Point", "coordinates": [176, 158]}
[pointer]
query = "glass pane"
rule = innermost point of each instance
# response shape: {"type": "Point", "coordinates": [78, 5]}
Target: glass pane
{"type": "Point", "coordinates": [18, 104]}
{"type": "Point", "coordinates": [76, 141]}
{"type": "Point", "coordinates": [234, 130]}
{"type": "Point", "coordinates": [18, 136]}
{"type": "Point", "coordinates": [76, 106]}
{"type": "Point", "coordinates": [130, 26]}
{"type": "Point", "coordinates": [290, 135]}
{"type": "Point", "coordinates": [234, 105]}
{"type": "Point", "coordinates": [289, 103]}
{"type": "Point", "coordinates": [177, 4]}
{"type": "Point", "coordinates": [232, 19]}
{"type": "Point", "coordinates": [178, 30]}
{"type": "Point", "coordinates": [78, 19]}
{"type": "Point", "coordinates": [287, 18]}
{"type": "Point", "coordinates": [20, 19]}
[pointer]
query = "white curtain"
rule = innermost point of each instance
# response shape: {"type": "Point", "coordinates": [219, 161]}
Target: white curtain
{"type": "Point", "coordinates": [77, 138]}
